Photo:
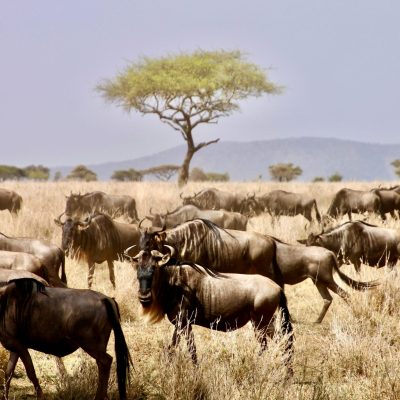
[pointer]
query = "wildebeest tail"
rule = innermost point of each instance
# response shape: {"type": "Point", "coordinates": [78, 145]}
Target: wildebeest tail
{"type": "Point", "coordinates": [317, 214]}
{"type": "Point", "coordinates": [276, 269]}
{"type": "Point", "coordinates": [63, 274]}
{"type": "Point", "coordinates": [286, 327]}
{"type": "Point", "coordinates": [353, 283]}
{"type": "Point", "coordinates": [122, 354]}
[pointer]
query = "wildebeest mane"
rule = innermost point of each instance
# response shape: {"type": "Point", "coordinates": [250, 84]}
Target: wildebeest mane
{"type": "Point", "coordinates": [101, 234]}
{"type": "Point", "coordinates": [20, 291]}
{"type": "Point", "coordinates": [201, 239]}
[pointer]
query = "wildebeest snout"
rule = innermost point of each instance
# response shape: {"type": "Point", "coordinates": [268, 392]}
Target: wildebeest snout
{"type": "Point", "coordinates": [145, 297]}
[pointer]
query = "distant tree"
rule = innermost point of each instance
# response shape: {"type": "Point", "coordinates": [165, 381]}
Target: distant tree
{"type": "Point", "coordinates": [336, 177]}
{"type": "Point", "coordinates": [57, 176]}
{"type": "Point", "coordinates": [318, 179]}
{"type": "Point", "coordinates": [197, 175]}
{"type": "Point", "coordinates": [217, 177]}
{"type": "Point", "coordinates": [163, 172]}
{"type": "Point", "coordinates": [82, 173]}
{"type": "Point", "coordinates": [37, 172]}
{"type": "Point", "coordinates": [396, 165]}
{"type": "Point", "coordinates": [187, 90]}
{"type": "Point", "coordinates": [9, 172]}
{"type": "Point", "coordinates": [284, 172]}
{"type": "Point", "coordinates": [127, 175]}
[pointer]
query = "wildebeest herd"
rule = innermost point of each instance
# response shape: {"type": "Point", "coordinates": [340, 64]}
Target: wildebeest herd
{"type": "Point", "coordinates": [191, 263]}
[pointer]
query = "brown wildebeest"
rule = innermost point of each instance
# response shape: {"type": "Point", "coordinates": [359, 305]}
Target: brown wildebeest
{"type": "Point", "coordinates": [225, 250]}
{"type": "Point", "coordinates": [51, 256]}
{"type": "Point", "coordinates": [97, 239]}
{"type": "Point", "coordinates": [190, 294]}
{"type": "Point", "coordinates": [10, 200]}
{"type": "Point", "coordinates": [390, 202]}
{"type": "Point", "coordinates": [100, 202]}
{"type": "Point", "coordinates": [24, 261]}
{"type": "Point", "coordinates": [222, 218]}
{"type": "Point", "coordinates": [359, 242]}
{"type": "Point", "coordinates": [280, 202]}
{"type": "Point", "coordinates": [58, 321]}
{"type": "Point", "coordinates": [347, 201]}
{"type": "Point", "coordinates": [298, 263]}
{"type": "Point", "coordinates": [215, 199]}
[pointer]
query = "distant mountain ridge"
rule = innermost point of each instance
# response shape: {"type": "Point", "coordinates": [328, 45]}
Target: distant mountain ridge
{"type": "Point", "coordinates": [248, 160]}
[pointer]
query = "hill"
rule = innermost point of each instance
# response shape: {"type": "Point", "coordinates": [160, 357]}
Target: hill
{"type": "Point", "coordinates": [248, 160]}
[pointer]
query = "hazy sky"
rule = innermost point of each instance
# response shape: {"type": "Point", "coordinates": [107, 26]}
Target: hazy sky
{"type": "Point", "coordinates": [339, 61]}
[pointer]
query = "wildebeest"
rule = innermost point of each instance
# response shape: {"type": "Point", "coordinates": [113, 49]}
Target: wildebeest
{"type": "Point", "coordinates": [222, 218]}
{"type": "Point", "coordinates": [97, 239]}
{"type": "Point", "coordinates": [347, 201]}
{"type": "Point", "coordinates": [10, 200]}
{"type": "Point", "coordinates": [58, 321]}
{"type": "Point", "coordinates": [190, 294]}
{"type": "Point", "coordinates": [51, 256]}
{"type": "Point", "coordinates": [100, 202]}
{"type": "Point", "coordinates": [215, 199]}
{"type": "Point", "coordinates": [359, 242]}
{"type": "Point", "coordinates": [298, 263]}
{"type": "Point", "coordinates": [23, 261]}
{"type": "Point", "coordinates": [280, 202]}
{"type": "Point", "coordinates": [225, 250]}
{"type": "Point", "coordinates": [389, 202]}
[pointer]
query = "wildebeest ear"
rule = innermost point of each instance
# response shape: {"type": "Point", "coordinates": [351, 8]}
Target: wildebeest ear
{"type": "Point", "coordinates": [302, 241]}
{"type": "Point", "coordinates": [58, 222]}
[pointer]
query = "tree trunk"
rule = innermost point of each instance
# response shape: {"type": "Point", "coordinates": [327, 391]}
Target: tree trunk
{"type": "Point", "coordinates": [184, 171]}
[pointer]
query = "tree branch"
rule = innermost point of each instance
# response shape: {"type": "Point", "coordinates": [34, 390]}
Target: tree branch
{"type": "Point", "coordinates": [204, 144]}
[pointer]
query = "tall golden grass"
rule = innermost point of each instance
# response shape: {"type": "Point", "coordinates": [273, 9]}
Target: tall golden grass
{"type": "Point", "coordinates": [353, 354]}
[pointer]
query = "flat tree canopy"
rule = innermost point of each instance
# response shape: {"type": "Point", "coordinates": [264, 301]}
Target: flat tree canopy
{"type": "Point", "coordinates": [187, 90]}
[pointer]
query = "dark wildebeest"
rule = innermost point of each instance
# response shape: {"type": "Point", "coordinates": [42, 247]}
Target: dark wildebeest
{"type": "Point", "coordinates": [51, 256]}
{"type": "Point", "coordinates": [97, 239]}
{"type": "Point", "coordinates": [225, 250]}
{"type": "Point", "coordinates": [100, 202]}
{"type": "Point", "coordinates": [215, 199]}
{"type": "Point", "coordinates": [190, 294]}
{"type": "Point", "coordinates": [59, 321]}
{"type": "Point", "coordinates": [298, 263]}
{"type": "Point", "coordinates": [347, 201]}
{"type": "Point", "coordinates": [358, 242]}
{"type": "Point", "coordinates": [222, 218]}
{"type": "Point", "coordinates": [10, 200]}
{"type": "Point", "coordinates": [390, 202]}
{"type": "Point", "coordinates": [280, 202]}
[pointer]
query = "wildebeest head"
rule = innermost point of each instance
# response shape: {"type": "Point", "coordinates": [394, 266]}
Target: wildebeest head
{"type": "Point", "coordinates": [74, 204]}
{"type": "Point", "coordinates": [313, 240]}
{"type": "Point", "coordinates": [70, 230]}
{"type": "Point", "coordinates": [187, 200]}
{"type": "Point", "coordinates": [250, 205]}
{"type": "Point", "coordinates": [149, 263]}
{"type": "Point", "coordinates": [156, 219]}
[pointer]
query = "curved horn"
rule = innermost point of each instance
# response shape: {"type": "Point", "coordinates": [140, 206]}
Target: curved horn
{"type": "Point", "coordinates": [129, 248]}
{"type": "Point", "coordinates": [171, 249]}
{"type": "Point", "coordinates": [140, 223]}
{"type": "Point", "coordinates": [58, 220]}
{"type": "Point", "coordinates": [180, 195]}
{"type": "Point", "coordinates": [150, 211]}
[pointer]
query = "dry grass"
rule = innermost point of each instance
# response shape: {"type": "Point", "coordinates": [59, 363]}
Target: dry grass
{"type": "Point", "coordinates": [353, 354]}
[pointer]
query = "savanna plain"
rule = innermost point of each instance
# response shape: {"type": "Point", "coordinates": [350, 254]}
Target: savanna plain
{"type": "Point", "coordinates": [352, 354]}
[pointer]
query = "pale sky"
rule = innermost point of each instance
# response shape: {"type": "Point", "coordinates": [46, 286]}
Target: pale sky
{"type": "Point", "coordinates": [339, 61]}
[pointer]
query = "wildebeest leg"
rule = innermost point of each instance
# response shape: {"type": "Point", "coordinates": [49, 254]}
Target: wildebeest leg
{"type": "Point", "coordinates": [12, 362]}
{"type": "Point", "coordinates": [190, 343]}
{"type": "Point", "coordinates": [357, 265]}
{"type": "Point", "coordinates": [111, 271]}
{"type": "Point", "coordinates": [61, 369]}
{"type": "Point", "coordinates": [104, 362]}
{"type": "Point", "coordinates": [91, 265]}
{"type": "Point", "coordinates": [324, 292]}
{"type": "Point", "coordinates": [176, 337]}
{"type": "Point", "coordinates": [30, 370]}
{"type": "Point", "coordinates": [349, 214]}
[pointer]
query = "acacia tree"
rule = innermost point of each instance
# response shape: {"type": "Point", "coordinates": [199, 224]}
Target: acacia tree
{"type": "Point", "coordinates": [188, 90]}
{"type": "Point", "coordinates": [284, 172]}
{"type": "Point", "coordinates": [396, 165]}
{"type": "Point", "coordinates": [82, 173]}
